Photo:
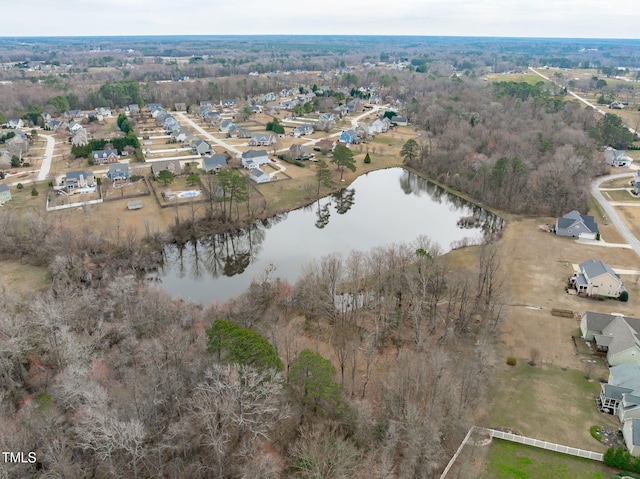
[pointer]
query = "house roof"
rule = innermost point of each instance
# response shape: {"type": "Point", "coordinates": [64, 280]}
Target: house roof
{"type": "Point", "coordinates": [592, 269]}
{"type": "Point", "coordinates": [574, 217]}
{"type": "Point", "coordinates": [615, 392]}
{"type": "Point", "coordinates": [214, 161]}
{"type": "Point", "coordinates": [4, 188]}
{"type": "Point", "coordinates": [75, 175]}
{"type": "Point", "coordinates": [118, 168]}
{"type": "Point", "coordinates": [258, 173]}
{"type": "Point", "coordinates": [254, 154]}
{"type": "Point", "coordinates": [618, 333]}
{"type": "Point", "coordinates": [635, 432]}
{"type": "Point", "coordinates": [625, 376]}
{"type": "Point", "coordinates": [104, 153]}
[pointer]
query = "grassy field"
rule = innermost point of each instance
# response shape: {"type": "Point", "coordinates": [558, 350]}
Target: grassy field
{"type": "Point", "coordinates": [505, 460]}
{"type": "Point", "coordinates": [550, 402]}
{"type": "Point", "coordinates": [620, 195]}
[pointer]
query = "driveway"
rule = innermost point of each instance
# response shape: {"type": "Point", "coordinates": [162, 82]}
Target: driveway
{"type": "Point", "coordinates": [48, 156]}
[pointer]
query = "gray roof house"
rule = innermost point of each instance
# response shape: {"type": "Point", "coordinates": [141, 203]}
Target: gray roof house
{"type": "Point", "coordinates": [259, 176]}
{"type": "Point", "coordinates": [595, 278]}
{"type": "Point", "coordinates": [173, 166]}
{"type": "Point", "coordinates": [300, 152]}
{"type": "Point", "coordinates": [262, 139]}
{"type": "Point", "coordinates": [254, 158]}
{"type": "Point", "coordinates": [614, 335]}
{"type": "Point", "coordinates": [118, 172]}
{"type": "Point", "coordinates": [201, 147]}
{"type": "Point", "coordinates": [74, 180]}
{"type": "Point", "coordinates": [615, 157]}
{"type": "Point", "coordinates": [302, 130]}
{"type": "Point", "coordinates": [214, 163]}
{"type": "Point", "coordinates": [631, 435]}
{"type": "Point", "coordinates": [577, 225]}
{"type": "Point", "coordinates": [5, 194]}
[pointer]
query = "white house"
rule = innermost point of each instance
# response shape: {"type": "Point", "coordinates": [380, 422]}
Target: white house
{"type": "Point", "coordinates": [631, 434]}
{"type": "Point", "coordinates": [254, 158]}
{"type": "Point", "coordinates": [615, 157]}
{"type": "Point", "coordinates": [615, 335]}
{"type": "Point", "coordinates": [595, 278]}
{"type": "Point", "coordinates": [259, 176]}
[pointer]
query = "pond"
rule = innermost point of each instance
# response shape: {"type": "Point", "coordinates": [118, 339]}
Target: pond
{"type": "Point", "coordinates": [377, 209]}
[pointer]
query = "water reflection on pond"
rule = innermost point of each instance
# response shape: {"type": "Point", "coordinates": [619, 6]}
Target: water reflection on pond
{"type": "Point", "coordinates": [380, 208]}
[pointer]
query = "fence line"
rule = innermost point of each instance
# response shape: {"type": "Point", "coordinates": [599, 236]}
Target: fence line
{"type": "Point", "coordinates": [550, 446]}
{"type": "Point", "coordinates": [528, 441]}
{"type": "Point", "coordinates": [72, 205]}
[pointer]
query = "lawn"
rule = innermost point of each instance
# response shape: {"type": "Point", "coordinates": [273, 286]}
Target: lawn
{"type": "Point", "coordinates": [550, 403]}
{"type": "Point", "coordinates": [619, 195]}
{"type": "Point", "coordinates": [506, 460]}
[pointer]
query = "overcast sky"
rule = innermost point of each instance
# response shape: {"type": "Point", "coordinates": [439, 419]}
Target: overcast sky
{"type": "Point", "coordinates": [515, 18]}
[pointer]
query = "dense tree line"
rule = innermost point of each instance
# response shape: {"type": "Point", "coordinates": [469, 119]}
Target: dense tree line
{"type": "Point", "coordinates": [355, 371]}
{"type": "Point", "coordinates": [516, 147]}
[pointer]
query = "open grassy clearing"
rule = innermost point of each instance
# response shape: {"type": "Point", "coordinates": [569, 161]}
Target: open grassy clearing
{"type": "Point", "coordinates": [506, 460]}
{"type": "Point", "coordinates": [23, 279]}
{"type": "Point", "coordinates": [550, 402]}
{"type": "Point", "coordinates": [617, 183]}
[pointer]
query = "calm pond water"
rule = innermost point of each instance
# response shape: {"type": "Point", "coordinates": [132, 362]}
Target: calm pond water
{"type": "Point", "coordinates": [380, 208]}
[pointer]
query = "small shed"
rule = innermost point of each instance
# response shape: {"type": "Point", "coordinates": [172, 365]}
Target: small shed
{"type": "Point", "coordinates": [134, 205]}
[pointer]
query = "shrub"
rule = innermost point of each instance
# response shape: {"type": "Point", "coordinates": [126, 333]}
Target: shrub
{"type": "Point", "coordinates": [511, 361]}
{"type": "Point", "coordinates": [34, 192]}
{"type": "Point", "coordinates": [624, 296]}
{"type": "Point", "coordinates": [367, 158]}
{"type": "Point", "coordinates": [20, 186]}
{"type": "Point", "coordinates": [595, 432]}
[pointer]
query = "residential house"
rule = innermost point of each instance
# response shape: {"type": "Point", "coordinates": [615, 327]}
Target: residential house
{"type": "Point", "coordinates": [615, 336]}
{"type": "Point", "coordinates": [624, 380]}
{"type": "Point", "coordinates": [17, 146]}
{"type": "Point", "coordinates": [324, 125]}
{"type": "Point", "coordinates": [180, 107]}
{"type": "Point", "coordinates": [631, 435]}
{"type": "Point", "coordinates": [71, 114]}
{"type": "Point", "coordinates": [74, 126]}
{"type": "Point", "coordinates": [81, 137]}
{"type": "Point", "coordinates": [5, 194]}
{"type": "Point", "coordinates": [287, 105]}
{"type": "Point", "coordinates": [262, 139]}
{"type": "Point", "coordinates": [46, 117]}
{"type": "Point", "coordinates": [180, 134]}
{"type": "Point", "coordinates": [201, 147]}
{"type": "Point", "coordinates": [378, 126]}
{"type": "Point", "coordinates": [254, 109]}
{"type": "Point", "coordinates": [577, 225]}
{"type": "Point", "coordinates": [259, 176]}
{"type": "Point", "coordinates": [75, 180]}
{"type": "Point", "coordinates": [173, 166]}
{"type": "Point", "coordinates": [228, 103]}
{"type": "Point", "coordinates": [225, 126]}
{"type": "Point", "coordinates": [15, 123]}
{"type": "Point", "coordinates": [617, 105]}
{"type": "Point", "coordinates": [153, 106]}
{"type": "Point", "coordinates": [300, 152]}
{"type": "Point", "coordinates": [101, 157]}
{"type": "Point", "coordinates": [5, 159]}
{"type": "Point", "coordinates": [302, 130]}
{"type": "Point", "coordinates": [595, 278]}
{"type": "Point", "coordinates": [53, 125]}
{"type": "Point", "coordinates": [284, 92]}
{"type": "Point", "coordinates": [615, 157]}
{"type": "Point", "coordinates": [636, 183]}
{"type": "Point", "coordinates": [324, 145]}
{"type": "Point", "coordinates": [375, 99]}
{"type": "Point", "coordinates": [103, 111]}
{"type": "Point", "coordinates": [327, 117]}
{"type": "Point", "coordinates": [399, 120]}
{"type": "Point", "coordinates": [214, 163]}
{"type": "Point", "coordinates": [239, 132]}
{"type": "Point", "coordinates": [349, 137]}
{"type": "Point", "coordinates": [133, 109]}
{"type": "Point", "coordinates": [254, 158]}
{"type": "Point", "coordinates": [118, 173]}
{"type": "Point", "coordinates": [267, 97]}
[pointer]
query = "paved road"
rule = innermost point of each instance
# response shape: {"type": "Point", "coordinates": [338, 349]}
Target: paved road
{"type": "Point", "coordinates": [208, 135]}
{"type": "Point", "coordinates": [610, 211]}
